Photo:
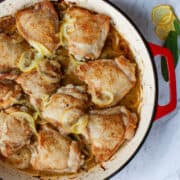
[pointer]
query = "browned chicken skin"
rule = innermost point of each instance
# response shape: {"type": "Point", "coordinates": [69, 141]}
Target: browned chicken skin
{"type": "Point", "coordinates": [54, 152]}
{"type": "Point", "coordinates": [14, 134]}
{"type": "Point", "coordinates": [10, 93]}
{"type": "Point", "coordinates": [108, 129]}
{"type": "Point", "coordinates": [65, 127]}
{"type": "Point", "coordinates": [20, 159]}
{"type": "Point", "coordinates": [10, 52]}
{"type": "Point", "coordinates": [108, 80]}
{"type": "Point", "coordinates": [38, 83]}
{"type": "Point", "coordinates": [66, 107]}
{"type": "Point", "coordinates": [39, 24]}
{"type": "Point", "coordinates": [86, 33]}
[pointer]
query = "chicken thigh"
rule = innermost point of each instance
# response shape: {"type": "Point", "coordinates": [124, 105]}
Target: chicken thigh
{"type": "Point", "coordinates": [108, 80]}
{"type": "Point", "coordinates": [39, 25]}
{"type": "Point", "coordinates": [10, 93]}
{"type": "Point", "coordinates": [67, 107]}
{"type": "Point", "coordinates": [10, 52]}
{"type": "Point", "coordinates": [54, 152]}
{"type": "Point", "coordinates": [14, 134]}
{"type": "Point", "coordinates": [20, 159]}
{"type": "Point", "coordinates": [84, 32]}
{"type": "Point", "coordinates": [108, 129]}
{"type": "Point", "coordinates": [41, 81]}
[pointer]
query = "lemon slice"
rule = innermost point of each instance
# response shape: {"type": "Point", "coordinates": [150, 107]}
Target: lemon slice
{"type": "Point", "coordinates": [163, 31]}
{"type": "Point", "coordinates": [28, 61]}
{"type": "Point", "coordinates": [162, 14]}
{"type": "Point", "coordinates": [80, 126]}
{"type": "Point", "coordinates": [43, 51]}
{"type": "Point", "coordinates": [105, 99]}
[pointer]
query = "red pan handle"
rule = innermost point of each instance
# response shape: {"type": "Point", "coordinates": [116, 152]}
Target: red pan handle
{"type": "Point", "coordinates": [166, 109]}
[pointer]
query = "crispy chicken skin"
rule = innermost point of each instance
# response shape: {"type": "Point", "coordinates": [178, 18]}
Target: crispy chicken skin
{"type": "Point", "coordinates": [39, 24]}
{"type": "Point", "coordinates": [14, 134]}
{"type": "Point", "coordinates": [20, 159]}
{"type": "Point", "coordinates": [10, 92]}
{"type": "Point", "coordinates": [54, 152]}
{"type": "Point", "coordinates": [108, 129]}
{"type": "Point", "coordinates": [10, 52]}
{"type": "Point", "coordinates": [66, 106]}
{"type": "Point", "coordinates": [87, 33]}
{"type": "Point", "coordinates": [42, 81]}
{"type": "Point", "coordinates": [108, 80]}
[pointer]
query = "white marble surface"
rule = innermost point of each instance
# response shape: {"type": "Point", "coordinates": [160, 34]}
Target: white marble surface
{"type": "Point", "coordinates": [159, 158]}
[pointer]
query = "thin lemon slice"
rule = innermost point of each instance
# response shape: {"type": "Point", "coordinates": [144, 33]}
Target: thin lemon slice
{"type": "Point", "coordinates": [80, 126]}
{"type": "Point", "coordinates": [28, 61]}
{"type": "Point", "coordinates": [26, 117]}
{"type": "Point", "coordinates": [167, 20]}
{"type": "Point", "coordinates": [43, 51]}
{"type": "Point", "coordinates": [106, 98]}
{"type": "Point", "coordinates": [162, 14]}
{"type": "Point", "coordinates": [66, 27]}
{"type": "Point", "coordinates": [163, 31]}
{"type": "Point", "coordinates": [45, 99]}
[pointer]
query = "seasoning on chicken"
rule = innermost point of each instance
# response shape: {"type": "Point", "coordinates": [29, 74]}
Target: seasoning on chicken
{"type": "Point", "coordinates": [20, 159]}
{"type": "Point", "coordinates": [108, 80]}
{"type": "Point", "coordinates": [41, 81]}
{"type": "Point", "coordinates": [54, 152]}
{"type": "Point", "coordinates": [108, 129]}
{"type": "Point", "coordinates": [10, 93]}
{"type": "Point", "coordinates": [39, 25]}
{"type": "Point", "coordinates": [10, 52]}
{"type": "Point", "coordinates": [85, 32]}
{"type": "Point", "coordinates": [14, 134]}
{"type": "Point", "coordinates": [67, 108]}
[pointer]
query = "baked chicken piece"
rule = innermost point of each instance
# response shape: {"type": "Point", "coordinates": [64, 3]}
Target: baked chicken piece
{"type": "Point", "coordinates": [14, 133]}
{"type": "Point", "coordinates": [10, 93]}
{"type": "Point", "coordinates": [55, 153]}
{"type": "Point", "coordinates": [85, 33]}
{"type": "Point", "coordinates": [66, 108]}
{"type": "Point", "coordinates": [41, 81]}
{"type": "Point", "coordinates": [20, 159]}
{"type": "Point", "coordinates": [10, 52]}
{"type": "Point", "coordinates": [39, 25]}
{"type": "Point", "coordinates": [108, 80]}
{"type": "Point", "coordinates": [108, 129]}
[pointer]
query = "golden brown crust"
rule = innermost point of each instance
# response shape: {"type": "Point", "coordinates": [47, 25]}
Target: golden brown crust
{"type": "Point", "coordinates": [88, 34]}
{"type": "Point", "coordinates": [106, 135]}
{"type": "Point", "coordinates": [55, 153]}
{"type": "Point", "coordinates": [64, 109]}
{"type": "Point", "coordinates": [11, 137]}
{"type": "Point", "coordinates": [108, 129]}
{"type": "Point", "coordinates": [106, 76]}
{"type": "Point", "coordinates": [39, 24]}
{"type": "Point", "coordinates": [36, 86]}
{"type": "Point", "coordinates": [10, 52]}
{"type": "Point", "coordinates": [9, 93]}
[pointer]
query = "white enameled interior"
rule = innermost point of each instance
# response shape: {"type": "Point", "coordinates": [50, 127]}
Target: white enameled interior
{"type": "Point", "coordinates": [148, 86]}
